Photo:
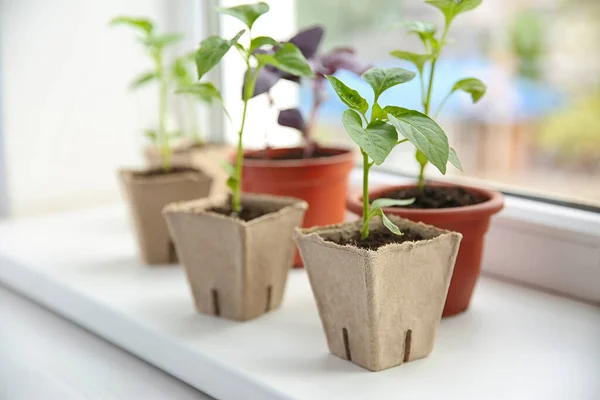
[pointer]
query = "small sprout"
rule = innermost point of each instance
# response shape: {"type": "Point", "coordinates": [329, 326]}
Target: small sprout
{"type": "Point", "coordinates": [430, 141]}
{"type": "Point", "coordinates": [285, 57]}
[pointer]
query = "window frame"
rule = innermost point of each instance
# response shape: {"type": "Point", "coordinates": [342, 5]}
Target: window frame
{"type": "Point", "coordinates": [4, 195]}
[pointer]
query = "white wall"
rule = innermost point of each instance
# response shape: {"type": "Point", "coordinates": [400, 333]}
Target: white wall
{"type": "Point", "coordinates": [68, 120]}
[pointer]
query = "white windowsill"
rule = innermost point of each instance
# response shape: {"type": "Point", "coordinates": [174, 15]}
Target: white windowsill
{"type": "Point", "coordinates": [514, 342]}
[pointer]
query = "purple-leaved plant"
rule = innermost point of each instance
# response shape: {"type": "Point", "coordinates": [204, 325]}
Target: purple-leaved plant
{"type": "Point", "coordinates": [308, 41]}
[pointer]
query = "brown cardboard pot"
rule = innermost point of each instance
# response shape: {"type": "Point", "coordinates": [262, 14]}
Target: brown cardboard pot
{"type": "Point", "coordinates": [471, 221]}
{"type": "Point", "coordinates": [379, 308]}
{"type": "Point", "coordinates": [147, 195]}
{"type": "Point", "coordinates": [205, 157]}
{"type": "Point", "coordinates": [321, 182]}
{"type": "Point", "coordinates": [236, 269]}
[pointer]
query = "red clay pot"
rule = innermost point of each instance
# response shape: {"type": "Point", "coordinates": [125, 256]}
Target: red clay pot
{"type": "Point", "coordinates": [321, 182]}
{"type": "Point", "coordinates": [472, 221]}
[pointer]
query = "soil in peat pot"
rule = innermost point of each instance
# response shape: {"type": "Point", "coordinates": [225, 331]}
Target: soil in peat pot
{"type": "Point", "coordinates": [378, 239]}
{"type": "Point", "coordinates": [293, 154]}
{"type": "Point", "coordinates": [160, 171]}
{"type": "Point", "coordinates": [247, 213]}
{"type": "Point", "coordinates": [436, 197]}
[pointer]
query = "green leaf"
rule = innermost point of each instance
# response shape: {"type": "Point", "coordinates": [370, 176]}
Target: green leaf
{"type": "Point", "coordinates": [423, 132]}
{"type": "Point", "coordinates": [349, 97]}
{"type": "Point", "coordinates": [180, 71]}
{"type": "Point", "coordinates": [232, 183]}
{"type": "Point", "coordinates": [421, 158]}
{"type": "Point", "coordinates": [475, 87]}
{"type": "Point", "coordinates": [377, 140]}
{"type": "Point", "coordinates": [143, 24]}
{"type": "Point", "coordinates": [423, 29]}
{"type": "Point", "coordinates": [388, 223]}
{"type": "Point", "coordinates": [206, 91]}
{"type": "Point", "coordinates": [381, 79]}
{"type": "Point", "coordinates": [212, 50]}
{"type": "Point", "coordinates": [418, 60]}
{"type": "Point", "coordinates": [247, 13]}
{"type": "Point", "coordinates": [261, 41]}
{"type": "Point", "coordinates": [161, 41]}
{"type": "Point", "coordinates": [142, 79]}
{"type": "Point", "coordinates": [287, 58]}
{"type": "Point", "coordinates": [151, 134]}
{"type": "Point", "coordinates": [229, 169]}
{"type": "Point", "coordinates": [451, 8]}
{"type": "Point", "coordinates": [378, 113]}
{"type": "Point", "coordinates": [453, 159]}
{"type": "Point", "coordinates": [383, 203]}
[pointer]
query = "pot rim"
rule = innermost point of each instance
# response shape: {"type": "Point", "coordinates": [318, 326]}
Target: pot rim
{"type": "Point", "coordinates": [344, 155]}
{"type": "Point", "coordinates": [131, 175]}
{"type": "Point", "coordinates": [493, 204]}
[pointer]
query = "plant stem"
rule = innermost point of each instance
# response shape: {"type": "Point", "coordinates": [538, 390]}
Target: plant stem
{"type": "Point", "coordinates": [193, 121]}
{"type": "Point", "coordinates": [309, 145]}
{"type": "Point", "coordinates": [437, 113]}
{"type": "Point", "coordinates": [366, 166]}
{"type": "Point", "coordinates": [163, 139]}
{"type": "Point", "coordinates": [421, 183]}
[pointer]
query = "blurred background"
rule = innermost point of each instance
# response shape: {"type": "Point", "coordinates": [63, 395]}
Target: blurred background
{"type": "Point", "coordinates": [67, 120]}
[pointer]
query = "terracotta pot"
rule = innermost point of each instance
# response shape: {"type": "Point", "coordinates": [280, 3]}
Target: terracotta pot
{"type": "Point", "coordinates": [236, 269]}
{"type": "Point", "coordinates": [321, 182]}
{"type": "Point", "coordinates": [379, 308]}
{"type": "Point", "coordinates": [472, 221]}
{"type": "Point", "coordinates": [147, 195]}
{"type": "Point", "coordinates": [206, 158]}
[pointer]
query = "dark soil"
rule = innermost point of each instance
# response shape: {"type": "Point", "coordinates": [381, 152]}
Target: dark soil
{"type": "Point", "coordinates": [247, 214]}
{"type": "Point", "coordinates": [295, 154]}
{"type": "Point", "coordinates": [378, 239]}
{"type": "Point", "coordinates": [437, 197]}
{"type": "Point", "coordinates": [160, 171]}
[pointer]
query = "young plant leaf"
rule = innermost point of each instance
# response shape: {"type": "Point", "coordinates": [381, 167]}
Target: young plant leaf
{"type": "Point", "coordinates": [161, 41]}
{"type": "Point", "coordinates": [212, 50]}
{"type": "Point", "coordinates": [232, 183]}
{"type": "Point", "coordinates": [377, 140]}
{"type": "Point", "coordinates": [381, 79]}
{"type": "Point", "coordinates": [143, 24]}
{"type": "Point", "coordinates": [287, 58]}
{"type": "Point", "coordinates": [453, 159]}
{"type": "Point", "coordinates": [308, 40]}
{"type": "Point", "coordinates": [261, 41]}
{"type": "Point", "coordinates": [425, 30]}
{"type": "Point", "coordinates": [349, 97]}
{"type": "Point", "coordinates": [292, 118]}
{"type": "Point", "coordinates": [475, 87]}
{"type": "Point", "coordinates": [228, 168]}
{"type": "Point", "coordinates": [423, 132]}
{"type": "Point", "coordinates": [451, 8]}
{"type": "Point", "coordinates": [206, 91]}
{"type": "Point", "coordinates": [265, 80]}
{"type": "Point", "coordinates": [378, 113]}
{"type": "Point", "coordinates": [151, 134]}
{"type": "Point", "coordinates": [142, 79]}
{"type": "Point", "coordinates": [383, 203]}
{"type": "Point", "coordinates": [388, 223]}
{"type": "Point", "coordinates": [247, 13]}
{"type": "Point", "coordinates": [340, 58]}
{"type": "Point", "coordinates": [418, 60]}
{"type": "Point", "coordinates": [422, 158]}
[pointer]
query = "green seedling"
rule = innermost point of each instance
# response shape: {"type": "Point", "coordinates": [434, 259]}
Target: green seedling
{"type": "Point", "coordinates": [384, 129]}
{"type": "Point", "coordinates": [286, 57]}
{"type": "Point", "coordinates": [433, 45]}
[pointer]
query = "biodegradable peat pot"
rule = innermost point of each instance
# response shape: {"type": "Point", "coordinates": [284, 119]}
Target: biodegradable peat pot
{"type": "Point", "coordinates": [206, 157]}
{"type": "Point", "coordinates": [147, 192]}
{"type": "Point", "coordinates": [471, 221]}
{"type": "Point", "coordinates": [236, 269]}
{"type": "Point", "coordinates": [379, 308]}
{"type": "Point", "coordinates": [322, 181]}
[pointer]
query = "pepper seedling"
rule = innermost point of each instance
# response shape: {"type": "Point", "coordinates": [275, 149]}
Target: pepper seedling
{"type": "Point", "coordinates": [433, 48]}
{"type": "Point", "coordinates": [308, 41]}
{"type": "Point", "coordinates": [286, 57]}
{"type": "Point", "coordinates": [154, 44]}
{"type": "Point", "coordinates": [378, 134]}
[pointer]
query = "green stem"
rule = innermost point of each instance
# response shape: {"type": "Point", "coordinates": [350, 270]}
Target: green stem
{"type": "Point", "coordinates": [421, 183]}
{"type": "Point", "coordinates": [193, 121]}
{"type": "Point", "coordinates": [442, 104]}
{"type": "Point", "coordinates": [366, 167]}
{"type": "Point", "coordinates": [163, 139]}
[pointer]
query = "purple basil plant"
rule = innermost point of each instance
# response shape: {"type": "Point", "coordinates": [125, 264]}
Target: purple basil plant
{"type": "Point", "coordinates": [308, 41]}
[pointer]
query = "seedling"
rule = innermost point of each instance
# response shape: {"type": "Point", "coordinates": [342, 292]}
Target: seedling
{"type": "Point", "coordinates": [154, 44]}
{"type": "Point", "coordinates": [379, 134]}
{"type": "Point", "coordinates": [308, 41]}
{"type": "Point", "coordinates": [433, 48]}
{"type": "Point", "coordinates": [285, 57]}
